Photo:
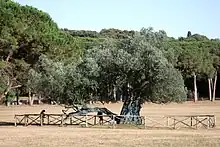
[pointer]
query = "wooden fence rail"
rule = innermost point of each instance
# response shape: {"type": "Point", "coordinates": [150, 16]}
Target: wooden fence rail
{"type": "Point", "coordinates": [192, 121]}
{"type": "Point", "coordinates": [170, 121]}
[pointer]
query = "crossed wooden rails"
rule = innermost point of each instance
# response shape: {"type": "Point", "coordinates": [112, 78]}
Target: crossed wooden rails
{"type": "Point", "coordinates": [39, 119]}
{"type": "Point", "coordinates": [60, 119]}
{"type": "Point", "coordinates": [169, 121]}
{"type": "Point", "coordinates": [181, 121]}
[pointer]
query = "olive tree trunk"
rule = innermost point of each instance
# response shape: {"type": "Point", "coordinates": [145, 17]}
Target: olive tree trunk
{"type": "Point", "coordinates": [131, 111]}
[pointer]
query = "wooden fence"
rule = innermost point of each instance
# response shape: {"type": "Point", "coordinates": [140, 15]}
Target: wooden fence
{"type": "Point", "coordinates": [171, 121]}
{"type": "Point", "coordinates": [191, 121]}
{"type": "Point", "coordinates": [39, 119]}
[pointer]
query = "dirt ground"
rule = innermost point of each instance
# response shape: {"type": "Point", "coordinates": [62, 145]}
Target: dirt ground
{"type": "Point", "coordinates": [49, 136]}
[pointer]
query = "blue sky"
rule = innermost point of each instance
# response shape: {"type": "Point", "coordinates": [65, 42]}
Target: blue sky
{"type": "Point", "coordinates": [176, 17]}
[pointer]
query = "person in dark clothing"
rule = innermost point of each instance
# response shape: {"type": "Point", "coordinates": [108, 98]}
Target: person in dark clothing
{"type": "Point", "coordinates": [100, 117]}
{"type": "Point", "coordinates": [42, 115]}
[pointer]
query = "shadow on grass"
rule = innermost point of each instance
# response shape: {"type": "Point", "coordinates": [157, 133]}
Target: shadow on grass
{"type": "Point", "coordinates": [6, 123]}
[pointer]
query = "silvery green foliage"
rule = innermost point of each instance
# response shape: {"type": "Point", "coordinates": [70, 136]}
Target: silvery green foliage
{"type": "Point", "coordinates": [63, 83]}
{"type": "Point", "coordinates": [136, 61]}
{"type": "Point", "coordinates": [165, 82]}
{"type": "Point", "coordinates": [49, 78]}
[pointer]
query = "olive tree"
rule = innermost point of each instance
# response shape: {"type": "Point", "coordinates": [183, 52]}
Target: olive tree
{"type": "Point", "coordinates": [140, 70]}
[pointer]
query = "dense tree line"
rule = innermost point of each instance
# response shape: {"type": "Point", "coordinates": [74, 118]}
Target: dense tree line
{"type": "Point", "coordinates": [70, 66]}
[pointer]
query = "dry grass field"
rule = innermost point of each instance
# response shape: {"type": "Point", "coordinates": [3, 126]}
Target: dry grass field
{"type": "Point", "coordinates": [48, 136]}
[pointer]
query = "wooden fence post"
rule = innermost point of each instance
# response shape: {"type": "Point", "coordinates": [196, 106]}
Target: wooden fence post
{"type": "Point", "coordinates": [41, 120]}
{"type": "Point", "coordinates": [145, 122]}
{"type": "Point", "coordinates": [61, 121]}
{"type": "Point", "coordinates": [214, 121]}
{"type": "Point", "coordinates": [196, 122]}
{"type": "Point", "coordinates": [95, 120]}
{"type": "Point", "coordinates": [86, 121]}
{"type": "Point", "coordinates": [25, 120]}
{"type": "Point", "coordinates": [15, 121]}
{"type": "Point", "coordinates": [168, 121]}
{"type": "Point", "coordinates": [71, 120]}
{"type": "Point", "coordinates": [191, 121]}
{"type": "Point", "coordinates": [48, 119]}
{"type": "Point", "coordinates": [208, 123]}
{"type": "Point", "coordinates": [114, 122]}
